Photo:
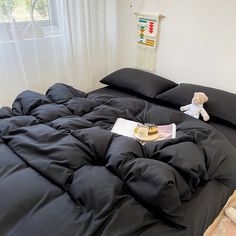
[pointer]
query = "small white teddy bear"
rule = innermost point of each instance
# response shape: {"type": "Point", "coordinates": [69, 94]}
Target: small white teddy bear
{"type": "Point", "coordinates": [196, 107]}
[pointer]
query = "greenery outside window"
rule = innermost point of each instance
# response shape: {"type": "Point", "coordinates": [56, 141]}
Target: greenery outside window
{"type": "Point", "coordinates": [24, 11]}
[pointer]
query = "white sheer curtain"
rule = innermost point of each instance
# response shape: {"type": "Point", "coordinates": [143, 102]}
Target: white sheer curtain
{"type": "Point", "coordinates": [72, 48]}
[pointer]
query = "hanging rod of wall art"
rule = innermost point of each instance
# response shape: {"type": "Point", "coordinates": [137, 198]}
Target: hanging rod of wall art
{"type": "Point", "coordinates": [160, 16]}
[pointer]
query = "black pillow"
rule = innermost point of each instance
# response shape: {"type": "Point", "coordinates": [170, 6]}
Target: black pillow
{"type": "Point", "coordinates": [138, 81]}
{"type": "Point", "coordinates": [221, 104]}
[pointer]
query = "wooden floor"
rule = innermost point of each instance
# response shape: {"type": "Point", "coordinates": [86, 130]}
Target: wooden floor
{"type": "Point", "coordinates": [223, 226]}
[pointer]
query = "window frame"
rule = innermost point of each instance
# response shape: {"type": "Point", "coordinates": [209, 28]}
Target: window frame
{"type": "Point", "coordinates": [44, 23]}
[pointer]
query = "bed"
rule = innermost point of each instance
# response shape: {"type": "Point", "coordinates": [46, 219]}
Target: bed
{"type": "Point", "coordinates": [63, 172]}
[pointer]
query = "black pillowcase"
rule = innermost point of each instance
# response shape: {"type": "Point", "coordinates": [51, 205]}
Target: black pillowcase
{"type": "Point", "coordinates": [138, 81]}
{"type": "Point", "coordinates": [220, 104]}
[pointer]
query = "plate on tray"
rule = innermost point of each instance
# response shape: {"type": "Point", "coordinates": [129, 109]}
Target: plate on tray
{"type": "Point", "coordinates": [147, 138]}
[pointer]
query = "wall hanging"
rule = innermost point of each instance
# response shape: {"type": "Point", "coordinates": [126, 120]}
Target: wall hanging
{"type": "Point", "coordinates": [148, 27]}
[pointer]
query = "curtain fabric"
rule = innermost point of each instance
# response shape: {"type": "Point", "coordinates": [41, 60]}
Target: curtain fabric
{"type": "Point", "coordinates": [84, 30]}
{"type": "Point", "coordinates": [72, 50]}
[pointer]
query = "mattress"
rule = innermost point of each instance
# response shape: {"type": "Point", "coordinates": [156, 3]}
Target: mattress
{"type": "Point", "coordinates": [62, 172]}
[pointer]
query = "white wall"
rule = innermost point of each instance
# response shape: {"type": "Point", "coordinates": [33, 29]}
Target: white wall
{"type": "Point", "coordinates": [197, 44]}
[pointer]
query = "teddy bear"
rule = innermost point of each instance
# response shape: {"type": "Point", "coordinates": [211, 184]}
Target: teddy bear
{"type": "Point", "coordinates": [196, 107]}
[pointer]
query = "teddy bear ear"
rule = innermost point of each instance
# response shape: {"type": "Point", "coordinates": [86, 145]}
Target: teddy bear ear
{"type": "Point", "coordinates": [206, 98]}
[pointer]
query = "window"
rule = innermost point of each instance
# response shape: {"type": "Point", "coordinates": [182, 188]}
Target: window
{"type": "Point", "coordinates": [24, 11]}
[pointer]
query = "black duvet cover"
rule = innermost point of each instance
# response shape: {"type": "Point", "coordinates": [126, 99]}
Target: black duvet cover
{"type": "Point", "coordinates": [62, 172]}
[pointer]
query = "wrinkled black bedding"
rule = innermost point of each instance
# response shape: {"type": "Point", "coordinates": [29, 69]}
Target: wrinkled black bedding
{"type": "Point", "coordinates": [62, 172]}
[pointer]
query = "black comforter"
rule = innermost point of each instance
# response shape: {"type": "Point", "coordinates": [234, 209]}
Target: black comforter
{"type": "Point", "coordinates": [62, 172]}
